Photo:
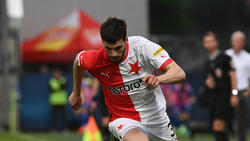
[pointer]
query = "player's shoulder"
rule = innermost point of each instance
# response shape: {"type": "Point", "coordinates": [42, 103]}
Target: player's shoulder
{"type": "Point", "coordinates": [137, 40]}
{"type": "Point", "coordinates": [140, 43]}
{"type": "Point", "coordinates": [92, 53]}
{"type": "Point", "coordinates": [90, 58]}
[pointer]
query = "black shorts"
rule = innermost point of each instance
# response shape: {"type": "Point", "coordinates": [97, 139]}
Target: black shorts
{"type": "Point", "coordinates": [220, 108]}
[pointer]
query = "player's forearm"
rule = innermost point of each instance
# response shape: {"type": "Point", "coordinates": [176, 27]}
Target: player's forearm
{"type": "Point", "coordinates": [173, 74]}
{"type": "Point", "coordinates": [77, 77]}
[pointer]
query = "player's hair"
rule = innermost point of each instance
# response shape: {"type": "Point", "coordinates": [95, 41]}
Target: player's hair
{"type": "Point", "coordinates": [210, 33]}
{"type": "Point", "coordinates": [113, 29]}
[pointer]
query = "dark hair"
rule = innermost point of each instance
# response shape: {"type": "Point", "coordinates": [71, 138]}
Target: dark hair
{"type": "Point", "coordinates": [113, 29]}
{"type": "Point", "coordinates": [210, 33]}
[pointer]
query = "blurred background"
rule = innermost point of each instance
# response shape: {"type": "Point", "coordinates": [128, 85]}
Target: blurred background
{"type": "Point", "coordinates": [39, 37]}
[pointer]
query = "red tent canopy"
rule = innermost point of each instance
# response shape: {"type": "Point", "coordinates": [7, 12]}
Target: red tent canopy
{"type": "Point", "coordinates": [63, 41]}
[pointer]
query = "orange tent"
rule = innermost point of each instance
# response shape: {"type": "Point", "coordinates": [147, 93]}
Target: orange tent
{"type": "Point", "coordinates": [63, 41]}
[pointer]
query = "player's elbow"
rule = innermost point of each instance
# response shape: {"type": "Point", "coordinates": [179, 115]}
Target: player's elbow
{"type": "Point", "coordinates": [182, 75]}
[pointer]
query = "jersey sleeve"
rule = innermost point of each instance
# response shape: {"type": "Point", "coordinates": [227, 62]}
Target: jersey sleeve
{"type": "Point", "coordinates": [229, 63]}
{"type": "Point", "coordinates": [156, 55]}
{"type": "Point", "coordinates": [81, 60]}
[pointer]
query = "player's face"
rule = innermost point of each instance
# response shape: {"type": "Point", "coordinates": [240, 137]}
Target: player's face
{"type": "Point", "coordinates": [210, 43]}
{"type": "Point", "coordinates": [238, 42]}
{"type": "Point", "coordinates": [115, 51]}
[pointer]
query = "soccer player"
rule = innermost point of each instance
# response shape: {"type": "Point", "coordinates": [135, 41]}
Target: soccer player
{"type": "Point", "coordinates": [220, 81]}
{"type": "Point", "coordinates": [125, 67]}
{"type": "Point", "coordinates": [241, 59]}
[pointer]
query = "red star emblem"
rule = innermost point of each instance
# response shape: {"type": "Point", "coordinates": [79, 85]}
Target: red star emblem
{"type": "Point", "coordinates": [134, 68]}
{"type": "Point", "coordinates": [120, 127]}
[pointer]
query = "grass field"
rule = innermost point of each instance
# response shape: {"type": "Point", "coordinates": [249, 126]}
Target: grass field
{"type": "Point", "coordinates": [70, 136]}
{"type": "Point", "coordinates": [39, 136]}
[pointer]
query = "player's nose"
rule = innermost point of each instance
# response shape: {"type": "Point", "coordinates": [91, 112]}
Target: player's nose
{"type": "Point", "coordinates": [113, 53]}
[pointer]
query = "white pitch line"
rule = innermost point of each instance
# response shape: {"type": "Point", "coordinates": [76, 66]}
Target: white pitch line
{"type": "Point", "coordinates": [28, 137]}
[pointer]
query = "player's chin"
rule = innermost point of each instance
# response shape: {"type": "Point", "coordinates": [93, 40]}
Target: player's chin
{"type": "Point", "coordinates": [115, 60]}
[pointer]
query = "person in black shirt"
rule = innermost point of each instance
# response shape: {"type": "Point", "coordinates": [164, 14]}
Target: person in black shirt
{"type": "Point", "coordinates": [219, 83]}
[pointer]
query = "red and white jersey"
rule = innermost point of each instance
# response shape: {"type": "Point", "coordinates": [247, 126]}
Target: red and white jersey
{"type": "Point", "coordinates": [125, 94]}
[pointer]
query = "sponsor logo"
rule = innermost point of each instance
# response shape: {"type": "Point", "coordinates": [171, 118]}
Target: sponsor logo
{"type": "Point", "coordinates": [129, 87]}
{"type": "Point", "coordinates": [105, 74]}
{"type": "Point", "coordinates": [158, 51]}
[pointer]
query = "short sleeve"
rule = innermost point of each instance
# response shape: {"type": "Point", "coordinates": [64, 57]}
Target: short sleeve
{"type": "Point", "coordinates": [81, 59]}
{"type": "Point", "coordinates": [229, 63]}
{"type": "Point", "coordinates": [157, 56]}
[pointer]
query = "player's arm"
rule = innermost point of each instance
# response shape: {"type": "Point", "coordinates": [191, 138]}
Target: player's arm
{"type": "Point", "coordinates": [75, 99]}
{"type": "Point", "coordinates": [159, 59]}
{"type": "Point", "coordinates": [172, 74]}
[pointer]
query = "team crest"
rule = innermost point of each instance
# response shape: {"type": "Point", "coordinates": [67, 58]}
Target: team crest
{"type": "Point", "coordinates": [135, 67]}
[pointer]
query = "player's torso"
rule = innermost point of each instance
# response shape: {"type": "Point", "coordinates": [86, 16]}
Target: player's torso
{"type": "Point", "coordinates": [125, 93]}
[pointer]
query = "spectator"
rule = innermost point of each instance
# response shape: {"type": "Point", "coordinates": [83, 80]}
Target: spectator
{"type": "Point", "coordinates": [57, 98]}
{"type": "Point", "coordinates": [88, 91]}
{"type": "Point", "coordinates": [179, 100]}
{"type": "Point", "coordinates": [82, 114]}
{"type": "Point", "coordinates": [241, 59]}
{"type": "Point", "coordinates": [220, 81]}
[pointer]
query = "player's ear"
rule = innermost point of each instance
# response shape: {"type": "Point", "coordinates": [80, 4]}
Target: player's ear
{"type": "Point", "coordinates": [126, 39]}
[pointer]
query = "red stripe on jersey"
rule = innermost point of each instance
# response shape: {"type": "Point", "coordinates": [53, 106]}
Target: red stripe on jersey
{"type": "Point", "coordinates": [119, 104]}
{"type": "Point", "coordinates": [163, 66]}
{"type": "Point", "coordinates": [126, 55]}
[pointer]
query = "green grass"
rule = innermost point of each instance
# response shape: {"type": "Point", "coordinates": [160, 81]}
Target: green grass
{"type": "Point", "coordinates": [39, 136]}
{"type": "Point", "coordinates": [70, 136]}
{"type": "Point", "coordinates": [205, 137]}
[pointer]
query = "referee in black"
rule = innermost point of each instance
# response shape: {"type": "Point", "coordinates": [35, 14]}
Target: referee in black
{"type": "Point", "coordinates": [220, 82]}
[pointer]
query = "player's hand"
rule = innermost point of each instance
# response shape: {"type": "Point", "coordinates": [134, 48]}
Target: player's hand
{"type": "Point", "coordinates": [75, 101]}
{"type": "Point", "coordinates": [151, 81]}
{"type": "Point", "coordinates": [234, 101]}
{"type": "Point", "coordinates": [210, 82]}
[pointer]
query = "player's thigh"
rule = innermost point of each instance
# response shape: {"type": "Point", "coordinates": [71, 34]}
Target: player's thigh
{"type": "Point", "coordinates": [121, 126]}
{"type": "Point", "coordinates": [135, 134]}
